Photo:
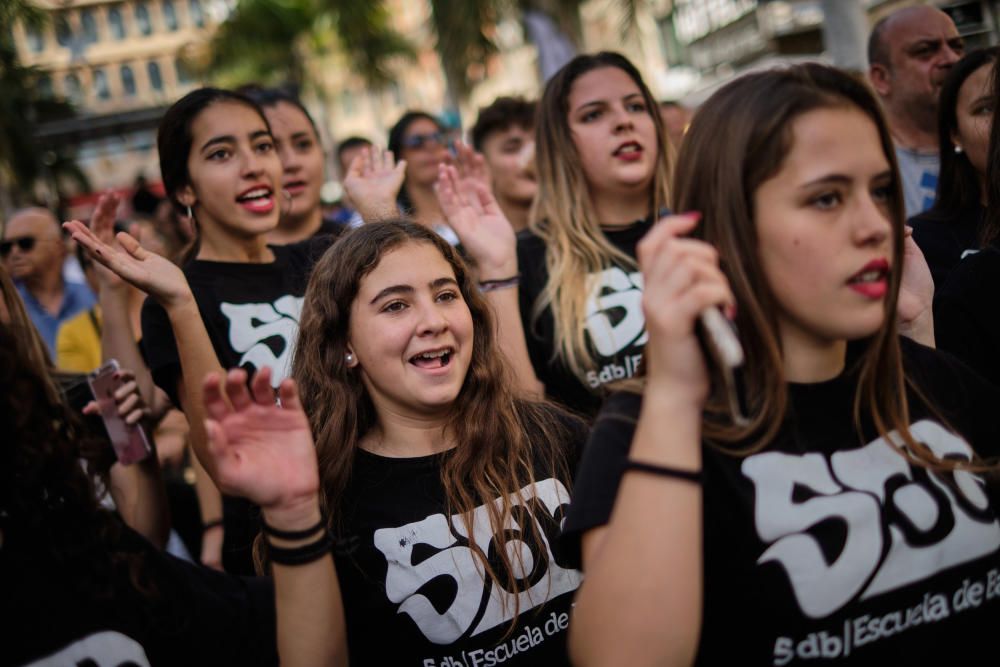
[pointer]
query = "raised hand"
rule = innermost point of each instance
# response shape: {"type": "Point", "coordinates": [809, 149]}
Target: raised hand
{"type": "Point", "coordinates": [681, 278]}
{"type": "Point", "coordinates": [155, 275]}
{"type": "Point", "coordinates": [916, 294]}
{"type": "Point", "coordinates": [373, 181]}
{"type": "Point", "coordinates": [262, 451]}
{"type": "Point", "coordinates": [102, 223]}
{"type": "Point", "coordinates": [470, 164]}
{"type": "Point", "coordinates": [473, 212]}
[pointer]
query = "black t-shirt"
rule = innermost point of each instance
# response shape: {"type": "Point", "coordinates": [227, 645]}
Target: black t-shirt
{"type": "Point", "coordinates": [616, 326]}
{"type": "Point", "coordinates": [829, 545]}
{"type": "Point", "coordinates": [251, 313]}
{"type": "Point", "coordinates": [412, 589]}
{"type": "Point", "coordinates": [945, 238]}
{"type": "Point", "coordinates": [966, 317]}
{"type": "Point", "coordinates": [196, 617]}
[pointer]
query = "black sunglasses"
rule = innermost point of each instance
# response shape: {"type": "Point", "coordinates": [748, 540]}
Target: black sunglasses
{"type": "Point", "coordinates": [25, 243]}
{"type": "Point", "coordinates": [418, 141]}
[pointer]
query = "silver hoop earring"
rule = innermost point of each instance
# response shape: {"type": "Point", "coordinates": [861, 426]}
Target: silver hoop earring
{"type": "Point", "coordinates": [190, 213]}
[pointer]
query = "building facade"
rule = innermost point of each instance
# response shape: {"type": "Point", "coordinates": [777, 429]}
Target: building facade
{"type": "Point", "coordinates": [120, 64]}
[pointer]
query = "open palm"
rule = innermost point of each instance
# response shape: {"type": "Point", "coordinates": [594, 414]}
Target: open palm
{"type": "Point", "coordinates": [373, 181]}
{"type": "Point", "coordinates": [473, 212]}
{"type": "Point", "coordinates": [262, 451]}
{"type": "Point", "coordinates": [153, 274]}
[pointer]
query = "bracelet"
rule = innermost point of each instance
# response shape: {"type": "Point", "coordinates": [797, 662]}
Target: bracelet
{"type": "Point", "coordinates": [503, 283]}
{"type": "Point", "coordinates": [291, 534]}
{"type": "Point", "coordinates": [214, 523]}
{"type": "Point", "coordinates": [693, 476]}
{"type": "Point", "coordinates": [307, 553]}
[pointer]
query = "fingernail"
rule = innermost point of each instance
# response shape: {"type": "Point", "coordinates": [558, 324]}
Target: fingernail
{"type": "Point", "coordinates": [730, 312]}
{"type": "Point", "coordinates": [693, 215]}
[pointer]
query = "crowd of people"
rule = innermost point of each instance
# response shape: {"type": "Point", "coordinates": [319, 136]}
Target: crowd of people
{"type": "Point", "coordinates": [615, 382]}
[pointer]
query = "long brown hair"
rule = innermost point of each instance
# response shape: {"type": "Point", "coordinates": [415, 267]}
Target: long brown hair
{"type": "Point", "coordinates": [738, 140]}
{"type": "Point", "coordinates": [20, 324]}
{"type": "Point", "coordinates": [563, 213]}
{"type": "Point", "coordinates": [501, 437]}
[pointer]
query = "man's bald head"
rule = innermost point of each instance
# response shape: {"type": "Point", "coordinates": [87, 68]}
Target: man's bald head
{"type": "Point", "coordinates": [39, 230]}
{"type": "Point", "coordinates": [910, 52]}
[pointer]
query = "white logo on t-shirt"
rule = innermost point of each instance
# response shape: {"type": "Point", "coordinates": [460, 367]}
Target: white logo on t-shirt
{"type": "Point", "coordinates": [420, 552]}
{"type": "Point", "coordinates": [101, 649]}
{"type": "Point", "coordinates": [932, 521]}
{"type": "Point", "coordinates": [251, 324]}
{"type": "Point", "coordinates": [614, 311]}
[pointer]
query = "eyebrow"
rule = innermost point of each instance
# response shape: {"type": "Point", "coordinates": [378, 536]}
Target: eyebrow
{"type": "Point", "coordinates": [407, 289]}
{"type": "Point", "coordinates": [603, 101]}
{"type": "Point", "coordinates": [231, 139]}
{"type": "Point", "coordinates": [841, 179]}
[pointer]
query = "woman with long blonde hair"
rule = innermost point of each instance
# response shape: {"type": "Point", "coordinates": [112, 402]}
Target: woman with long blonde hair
{"type": "Point", "coordinates": [603, 171]}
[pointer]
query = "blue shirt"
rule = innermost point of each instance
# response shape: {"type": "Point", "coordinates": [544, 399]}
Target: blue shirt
{"type": "Point", "coordinates": [76, 298]}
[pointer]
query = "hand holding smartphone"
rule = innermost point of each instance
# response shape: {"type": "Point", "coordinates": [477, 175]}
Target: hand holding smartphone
{"type": "Point", "coordinates": [128, 440]}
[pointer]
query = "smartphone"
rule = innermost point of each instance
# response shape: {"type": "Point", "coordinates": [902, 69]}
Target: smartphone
{"type": "Point", "coordinates": [128, 440]}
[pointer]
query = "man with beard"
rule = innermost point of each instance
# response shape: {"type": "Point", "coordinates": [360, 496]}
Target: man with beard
{"type": "Point", "coordinates": [909, 53]}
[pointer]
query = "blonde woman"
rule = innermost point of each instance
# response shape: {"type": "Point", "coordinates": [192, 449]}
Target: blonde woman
{"type": "Point", "coordinates": [603, 169]}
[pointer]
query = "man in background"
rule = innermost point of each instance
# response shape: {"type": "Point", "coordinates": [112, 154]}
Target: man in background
{"type": "Point", "coordinates": [33, 251]}
{"type": "Point", "coordinates": [909, 54]}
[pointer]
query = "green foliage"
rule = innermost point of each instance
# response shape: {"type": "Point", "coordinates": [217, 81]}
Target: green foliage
{"type": "Point", "coordinates": [270, 41]}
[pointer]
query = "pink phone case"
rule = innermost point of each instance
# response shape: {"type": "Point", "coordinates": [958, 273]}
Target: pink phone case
{"type": "Point", "coordinates": [129, 441]}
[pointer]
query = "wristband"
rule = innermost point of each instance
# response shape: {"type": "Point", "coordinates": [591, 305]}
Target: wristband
{"type": "Point", "coordinates": [214, 523]}
{"type": "Point", "coordinates": [693, 476]}
{"type": "Point", "coordinates": [301, 555]}
{"type": "Point", "coordinates": [291, 534]}
{"type": "Point", "coordinates": [503, 283]}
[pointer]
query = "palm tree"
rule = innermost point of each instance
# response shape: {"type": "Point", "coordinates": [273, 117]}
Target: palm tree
{"type": "Point", "coordinates": [271, 41]}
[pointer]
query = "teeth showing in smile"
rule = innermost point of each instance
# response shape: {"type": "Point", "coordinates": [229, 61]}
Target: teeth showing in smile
{"type": "Point", "coordinates": [258, 193]}
{"type": "Point", "coordinates": [628, 148]}
{"type": "Point", "coordinates": [435, 359]}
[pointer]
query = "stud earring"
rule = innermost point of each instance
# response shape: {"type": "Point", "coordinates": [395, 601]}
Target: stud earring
{"type": "Point", "coordinates": [349, 358]}
{"type": "Point", "coordinates": [958, 150]}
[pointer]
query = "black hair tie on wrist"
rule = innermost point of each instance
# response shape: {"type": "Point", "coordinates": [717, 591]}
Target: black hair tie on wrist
{"type": "Point", "coordinates": [292, 534]}
{"type": "Point", "coordinates": [301, 555]}
{"type": "Point", "coordinates": [214, 523]}
{"type": "Point", "coordinates": [693, 476]}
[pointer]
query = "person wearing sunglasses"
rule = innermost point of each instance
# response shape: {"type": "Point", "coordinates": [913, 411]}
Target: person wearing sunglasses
{"type": "Point", "coordinates": [420, 140]}
{"type": "Point", "coordinates": [33, 251]}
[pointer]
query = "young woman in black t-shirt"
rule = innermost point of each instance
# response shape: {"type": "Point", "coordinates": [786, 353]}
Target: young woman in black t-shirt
{"type": "Point", "coordinates": [844, 517]}
{"type": "Point", "coordinates": [443, 488]}
{"type": "Point", "coordinates": [603, 170]}
{"type": "Point", "coordinates": [220, 168]}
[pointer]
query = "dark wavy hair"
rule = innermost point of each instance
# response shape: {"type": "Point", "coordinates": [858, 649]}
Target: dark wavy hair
{"type": "Point", "coordinates": [958, 181]}
{"type": "Point", "coordinates": [49, 509]}
{"type": "Point", "coordinates": [502, 438]}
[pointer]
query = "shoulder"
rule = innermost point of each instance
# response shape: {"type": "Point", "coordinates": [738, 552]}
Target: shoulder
{"type": "Point", "coordinates": [954, 391]}
{"type": "Point", "coordinates": [304, 254]}
{"type": "Point", "coordinates": [974, 273]}
{"type": "Point", "coordinates": [530, 243]}
{"type": "Point", "coordinates": [545, 422]}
